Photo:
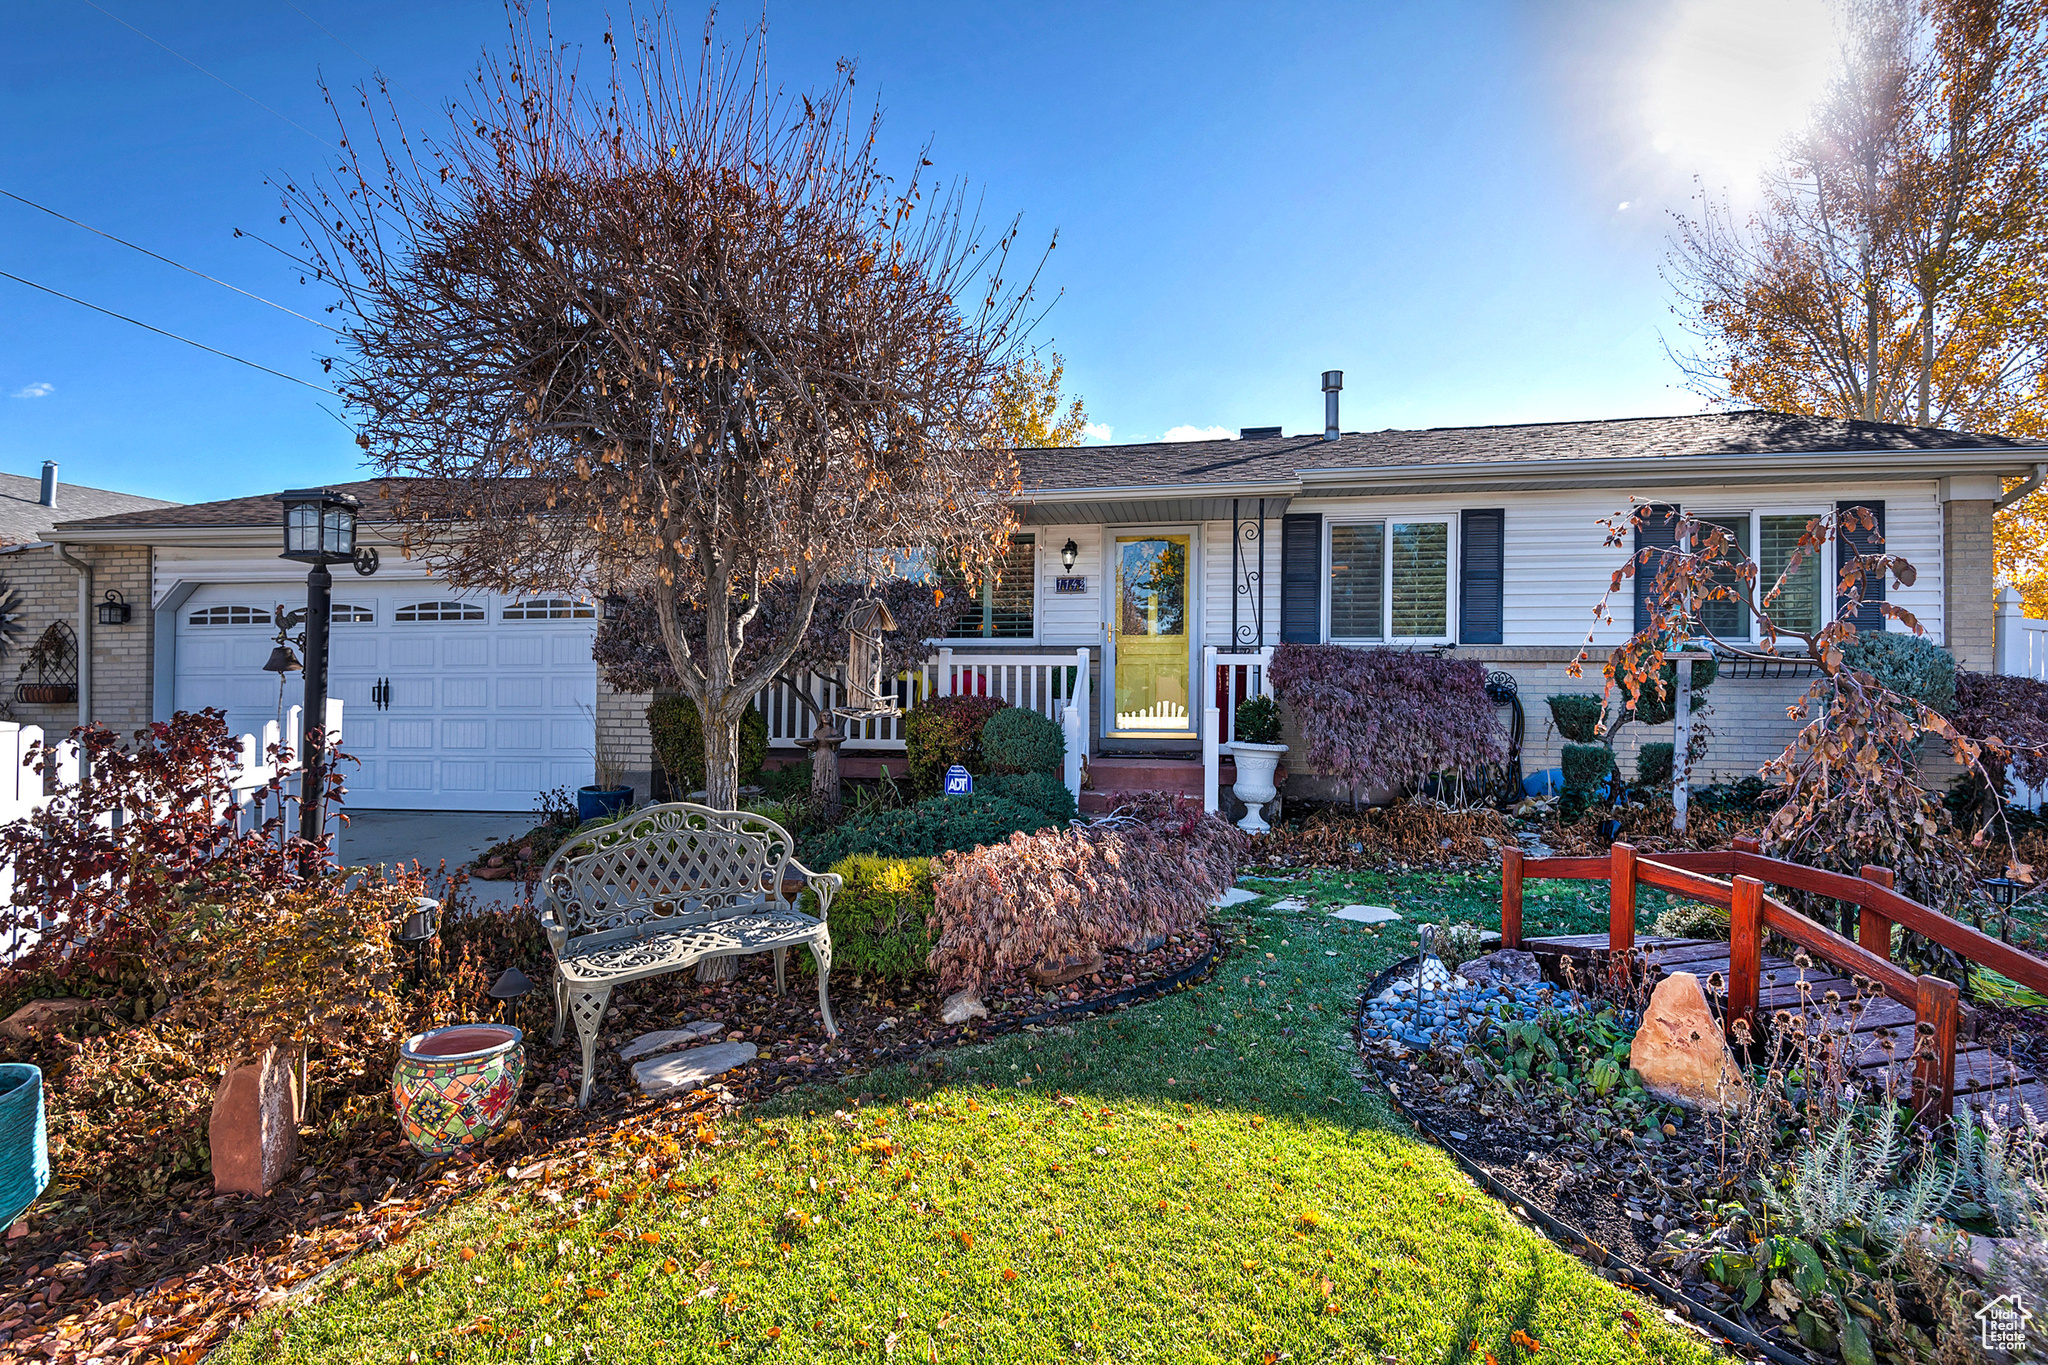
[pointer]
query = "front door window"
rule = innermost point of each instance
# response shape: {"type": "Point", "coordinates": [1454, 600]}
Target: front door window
{"type": "Point", "coordinates": [1150, 617]}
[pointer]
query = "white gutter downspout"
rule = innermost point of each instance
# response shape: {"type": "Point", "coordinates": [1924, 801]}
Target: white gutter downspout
{"type": "Point", "coordinates": [85, 610]}
{"type": "Point", "coordinates": [2032, 482]}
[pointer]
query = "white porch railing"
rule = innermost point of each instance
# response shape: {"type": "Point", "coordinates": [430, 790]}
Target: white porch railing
{"type": "Point", "coordinates": [1054, 685]}
{"type": "Point", "coordinates": [1227, 680]}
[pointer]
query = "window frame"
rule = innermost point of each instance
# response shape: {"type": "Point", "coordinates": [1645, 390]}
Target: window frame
{"type": "Point", "coordinates": [352, 619]}
{"type": "Point", "coordinates": [981, 596]}
{"type": "Point", "coordinates": [1450, 521]}
{"type": "Point", "coordinates": [1824, 594]}
{"type": "Point", "coordinates": [399, 618]}
{"type": "Point", "coordinates": [556, 608]}
{"type": "Point", "coordinates": [266, 616]}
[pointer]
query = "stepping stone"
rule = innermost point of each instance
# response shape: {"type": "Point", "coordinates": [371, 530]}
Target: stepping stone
{"type": "Point", "coordinates": [1366, 914]}
{"type": "Point", "coordinates": [649, 1043]}
{"type": "Point", "coordinates": [686, 1071]}
{"type": "Point", "coordinates": [1236, 895]}
{"type": "Point", "coordinates": [1290, 905]}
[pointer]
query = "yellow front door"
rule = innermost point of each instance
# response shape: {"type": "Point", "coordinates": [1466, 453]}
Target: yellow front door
{"type": "Point", "coordinates": [1150, 618]}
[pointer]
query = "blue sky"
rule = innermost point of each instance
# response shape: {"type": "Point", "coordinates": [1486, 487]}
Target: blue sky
{"type": "Point", "coordinates": [1426, 196]}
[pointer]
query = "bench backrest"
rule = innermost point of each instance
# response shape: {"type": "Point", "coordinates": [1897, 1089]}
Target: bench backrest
{"type": "Point", "coordinates": [677, 863]}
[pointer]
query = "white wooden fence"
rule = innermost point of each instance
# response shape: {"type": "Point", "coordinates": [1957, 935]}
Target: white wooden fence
{"type": "Point", "coordinates": [1228, 679]}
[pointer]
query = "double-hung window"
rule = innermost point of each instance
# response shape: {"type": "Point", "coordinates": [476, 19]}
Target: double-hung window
{"type": "Point", "coordinates": [1390, 580]}
{"type": "Point", "coordinates": [1770, 541]}
{"type": "Point", "coordinates": [1002, 604]}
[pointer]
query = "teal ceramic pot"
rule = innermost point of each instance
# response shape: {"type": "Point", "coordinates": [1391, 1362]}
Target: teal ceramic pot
{"type": "Point", "coordinates": [453, 1086]}
{"type": "Point", "coordinates": [24, 1141]}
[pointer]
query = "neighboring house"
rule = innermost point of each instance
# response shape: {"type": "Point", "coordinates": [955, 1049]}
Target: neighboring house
{"type": "Point", "coordinates": [1485, 542]}
{"type": "Point", "coordinates": [57, 582]}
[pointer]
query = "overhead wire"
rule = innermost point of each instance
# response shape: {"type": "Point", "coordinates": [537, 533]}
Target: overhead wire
{"type": "Point", "coordinates": [204, 72]}
{"type": "Point", "coordinates": [224, 355]}
{"type": "Point", "coordinates": [167, 260]}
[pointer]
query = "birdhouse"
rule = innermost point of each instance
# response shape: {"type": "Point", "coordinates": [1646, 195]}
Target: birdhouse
{"type": "Point", "coordinates": [867, 696]}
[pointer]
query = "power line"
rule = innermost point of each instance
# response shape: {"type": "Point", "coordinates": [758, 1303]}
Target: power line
{"type": "Point", "coordinates": [168, 261]}
{"type": "Point", "coordinates": [317, 388]}
{"type": "Point", "coordinates": [352, 52]}
{"type": "Point", "coordinates": [204, 72]}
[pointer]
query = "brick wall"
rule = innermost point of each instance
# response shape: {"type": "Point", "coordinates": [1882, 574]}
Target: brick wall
{"type": "Point", "coordinates": [121, 655]}
{"type": "Point", "coordinates": [1967, 581]}
{"type": "Point", "coordinates": [622, 729]}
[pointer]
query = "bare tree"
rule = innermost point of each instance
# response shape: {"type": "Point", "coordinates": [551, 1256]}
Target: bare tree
{"type": "Point", "coordinates": [675, 331]}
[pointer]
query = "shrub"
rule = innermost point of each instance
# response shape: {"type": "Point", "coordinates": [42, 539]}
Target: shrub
{"type": "Point", "coordinates": [1377, 718]}
{"type": "Point", "coordinates": [1586, 766]}
{"type": "Point", "coordinates": [941, 731]}
{"type": "Point", "coordinates": [1577, 715]}
{"type": "Point", "coordinates": [882, 921]}
{"type": "Point", "coordinates": [1653, 708]}
{"type": "Point", "coordinates": [1693, 919]}
{"type": "Point", "coordinates": [1258, 721]}
{"type": "Point", "coordinates": [674, 726]}
{"type": "Point", "coordinates": [1039, 791]}
{"type": "Point", "coordinates": [2012, 710]}
{"type": "Point", "coordinates": [1043, 897]}
{"type": "Point", "coordinates": [790, 781]}
{"type": "Point", "coordinates": [1910, 665]}
{"type": "Point", "coordinates": [1653, 764]}
{"type": "Point", "coordinates": [1019, 740]}
{"type": "Point", "coordinates": [925, 830]}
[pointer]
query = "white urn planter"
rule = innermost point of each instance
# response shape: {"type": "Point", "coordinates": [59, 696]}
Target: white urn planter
{"type": "Point", "coordinates": [1254, 785]}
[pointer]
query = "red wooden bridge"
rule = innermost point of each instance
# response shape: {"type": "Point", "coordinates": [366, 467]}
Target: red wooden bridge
{"type": "Point", "coordinates": [1911, 1025]}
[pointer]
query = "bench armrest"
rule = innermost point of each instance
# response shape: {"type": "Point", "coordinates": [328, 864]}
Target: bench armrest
{"type": "Point", "coordinates": [824, 885]}
{"type": "Point", "coordinates": [558, 936]}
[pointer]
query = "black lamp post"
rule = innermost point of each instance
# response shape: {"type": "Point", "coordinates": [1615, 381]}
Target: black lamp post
{"type": "Point", "coordinates": [319, 529]}
{"type": "Point", "coordinates": [2003, 891]}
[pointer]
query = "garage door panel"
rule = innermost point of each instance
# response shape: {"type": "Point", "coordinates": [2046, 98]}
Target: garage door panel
{"type": "Point", "coordinates": [570, 736]}
{"type": "Point", "coordinates": [569, 693]}
{"type": "Point", "coordinates": [522, 734]}
{"type": "Point", "coordinates": [519, 777]}
{"type": "Point", "coordinates": [521, 694]}
{"type": "Point", "coordinates": [465, 693]}
{"type": "Point", "coordinates": [570, 775]}
{"type": "Point", "coordinates": [409, 775]}
{"type": "Point", "coordinates": [522, 651]}
{"type": "Point", "coordinates": [465, 775]}
{"type": "Point", "coordinates": [568, 649]}
{"type": "Point", "coordinates": [412, 692]}
{"type": "Point", "coordinates": [470, 650]}
{"type": "Point", "coordinates": [409, 734]}
{"type": "Point", "coordinates": [412, 650]}
{"type": "Point", "coordinates": [355, 648]}
{"type": "Point", "coordinates": [465, 734]}
{"type": "Point", "coordinates": [206, 656]}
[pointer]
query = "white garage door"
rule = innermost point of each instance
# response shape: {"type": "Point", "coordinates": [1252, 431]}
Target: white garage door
{"type": "Point", "coordinates": [450, 703]}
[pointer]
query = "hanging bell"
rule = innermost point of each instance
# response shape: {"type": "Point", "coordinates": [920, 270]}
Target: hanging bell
{"type": "Point", "coordinates": [281, 660]}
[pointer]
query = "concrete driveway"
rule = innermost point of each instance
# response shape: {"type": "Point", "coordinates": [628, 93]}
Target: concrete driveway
{"type": "Point", "coordinates": [374, 837]}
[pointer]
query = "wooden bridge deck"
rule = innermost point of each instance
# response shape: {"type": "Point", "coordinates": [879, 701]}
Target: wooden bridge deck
{"type": "Point", "coordinates": [1984, 1080]}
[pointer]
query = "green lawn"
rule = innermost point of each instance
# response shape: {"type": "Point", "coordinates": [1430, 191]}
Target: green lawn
{"type": "Point", "coordinates": [1215, 1185]}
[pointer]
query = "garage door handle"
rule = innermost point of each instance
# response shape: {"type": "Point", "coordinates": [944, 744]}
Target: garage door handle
{"type": "Point", "coordinates": [380, 694]}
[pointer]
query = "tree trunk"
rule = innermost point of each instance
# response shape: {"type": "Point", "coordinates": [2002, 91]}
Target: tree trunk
{"type": "Point", "coordinates": [825, 742]}
{"type": "Point", "coordinates": [721, 757]}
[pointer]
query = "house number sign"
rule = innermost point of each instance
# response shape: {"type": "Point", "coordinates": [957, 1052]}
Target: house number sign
{"type": "Point", "coordinates": [1077, 583]}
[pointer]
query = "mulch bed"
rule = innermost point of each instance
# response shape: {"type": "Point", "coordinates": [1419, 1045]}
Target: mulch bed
{"type": "Point", "coordinates": [169, 1280]}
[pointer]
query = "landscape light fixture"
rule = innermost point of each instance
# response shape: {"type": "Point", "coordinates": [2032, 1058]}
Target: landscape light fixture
{"type": "Point", "coordinates": [113, 610]}
{"type": "Point", "coordinates": [2002, 890]}
{"type": "Point", "coordinates": [1069, 552]}
{"type": "Point", "coordinates": [319, 529]}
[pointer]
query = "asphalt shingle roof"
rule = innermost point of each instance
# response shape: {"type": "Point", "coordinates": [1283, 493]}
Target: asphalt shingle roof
{"type": "Point", "coordinates": [261, 509]}
{"type": "Point", "coordinates": [23, 518]}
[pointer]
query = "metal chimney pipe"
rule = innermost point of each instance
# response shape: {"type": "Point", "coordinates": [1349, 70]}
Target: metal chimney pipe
{"type": "Point", "coordinates": [1333, 382]}
{"type": "Point", "coordinates": [49, 498]}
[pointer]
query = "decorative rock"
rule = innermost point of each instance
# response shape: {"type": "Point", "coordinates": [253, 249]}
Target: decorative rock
{"type": "Point", "coordinates": [662, 1040]}
{"type": "Point", "coordinates": [1289, 905]}
{"type": "Point", "coordinates": [1366, 914]}
{"type": "Point", "coordinates": [37, 1015]}
{"type": "Point", "coordinates": [254, 1131]}
{"type": "Point", "coordinates": [1236, 895]}
{"type": "Point", "coordinates": [1072, 969]}
{"type": "Point", "coordinates": [685, 1071]}
{"type": "Point", "coordinates": [1507, 967]}
{"type": "Point", "coordinates": [1680, 1051]}
{"type": "Point", "coordinates": [961, 1006]}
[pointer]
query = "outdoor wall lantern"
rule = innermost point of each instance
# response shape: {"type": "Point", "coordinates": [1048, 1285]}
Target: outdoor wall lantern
{"type": "Point", "coordinates": [1069, 552]}
{"type": "Point", "coordinates": [113, 611]}
{"type": "Point", "coordinates": [319, 529]}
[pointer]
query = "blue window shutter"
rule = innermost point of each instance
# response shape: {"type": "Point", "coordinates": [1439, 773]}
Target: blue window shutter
{"type": "Point", "coordinates": [1301, 578]}
{"type": "Point", "coordinates": [1849, 544]}
{"type": "Point", "coordinates": [1657, 530]}
{"type": "Point", "coordinates": [1480, 577]}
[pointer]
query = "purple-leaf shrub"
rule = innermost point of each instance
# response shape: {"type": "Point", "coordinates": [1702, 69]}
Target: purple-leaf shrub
{"type": "Point", "coordinates": [1379, 718]}
{"type": "Point", "coordinates": [2011, 711]}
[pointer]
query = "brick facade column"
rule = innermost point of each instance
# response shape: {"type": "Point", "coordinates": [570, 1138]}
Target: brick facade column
{"type": "Point", "coordinates": [1967, 581]}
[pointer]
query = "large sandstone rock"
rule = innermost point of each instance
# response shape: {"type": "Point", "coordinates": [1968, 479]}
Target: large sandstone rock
{"type": "Point", "coordinates": [686, 1071]}
{"type": "Point", "coordinates": [38, 1015]}
{"type": "Point", "coordinates": [961, 1006]}
{"type": "Point", "coordinates": [254, 1131]}
{"type": "Point", "coordinates": [1680, 1051]}
{"type": "Point", "coordinates": [1071, 969]}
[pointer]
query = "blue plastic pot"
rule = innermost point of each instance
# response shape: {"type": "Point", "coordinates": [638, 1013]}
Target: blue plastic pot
{"type": "Point", "coordinates": [24, 1140]}
{"type": "Point", "coordinates": [601, 803]}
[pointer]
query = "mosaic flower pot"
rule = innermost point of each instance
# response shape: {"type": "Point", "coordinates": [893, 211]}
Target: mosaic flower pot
{"type": "Point", "coordinates": [453, 1086]}
{"type": "Point", "coordinates": [24, 1146]}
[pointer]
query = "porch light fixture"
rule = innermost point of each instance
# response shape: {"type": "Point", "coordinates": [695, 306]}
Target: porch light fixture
{"type": "Point", "coordinates": [113, 610]}
{"type": "Point", "coordinates": [319, 529]}
{"type": "Point", "coordinates": [1069, 552]}
{"type": "Point", "coordinates": [319, 525]}
{"type": "Point", "coordinates": [614, 606]}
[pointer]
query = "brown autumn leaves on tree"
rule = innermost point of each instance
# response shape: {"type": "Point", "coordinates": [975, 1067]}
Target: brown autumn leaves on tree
{"type": "Point", "coordinates": [1897, 268]}
{"type": "Point", "coordinates": [670, 329]}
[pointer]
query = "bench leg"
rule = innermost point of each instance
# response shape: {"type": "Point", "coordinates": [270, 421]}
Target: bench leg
{"type": "Point", "coordinates": [780, 954]}
{"type": "Point", "coordinates": [561, 1007]}
{"type": "Point", "coordinates": [589, 1006]}
{"type": "Point", "coordinates": [822, 952]}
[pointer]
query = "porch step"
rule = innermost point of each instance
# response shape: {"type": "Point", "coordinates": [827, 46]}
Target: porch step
{"type": "Point", "coordinates": [1112, 777]}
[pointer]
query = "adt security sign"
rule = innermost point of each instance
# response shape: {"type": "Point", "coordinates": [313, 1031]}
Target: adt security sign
{"type": "Point", "coordinates": [959, 782]}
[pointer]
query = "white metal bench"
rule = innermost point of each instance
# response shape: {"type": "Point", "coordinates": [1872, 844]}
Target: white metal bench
{"type": "Point", "coordinates": [664, 889]}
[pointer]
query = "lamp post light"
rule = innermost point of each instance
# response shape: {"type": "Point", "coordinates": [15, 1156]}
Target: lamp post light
{"type": "Point", "coordinates": [319, 529]}
{"type": "Point", "coordinates": [2003, 891]}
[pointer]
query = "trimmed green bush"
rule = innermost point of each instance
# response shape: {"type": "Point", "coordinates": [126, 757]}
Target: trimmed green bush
{"type": "Point", "coordinates": [1586, 766]}
{"type": "Point", "coordinates": [882, 921]}
{"type": "Point", "coordinates": [1659, 710]}
{"type": "Point", "coordinates": [679, 743]}
{"type": "Point", "coordinates": [1039, 791]}
{"type": "Point", "coordinates": [1653, 764]}
{"type": "Point", "coordinates": [1019, 740]}
{"type": "Point", "coordinates": [941, 731]}
{"type": "Point", "coordinates": [1258, 721]}
{"type": "Point", "coordinates": [1911, 665]}
{"type": "Point", "coordinates": [1577, 715]}
{"type": "Point", "coordinates": [925, 830]}
{"type": "Point", "coordinates": [792, 781]}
